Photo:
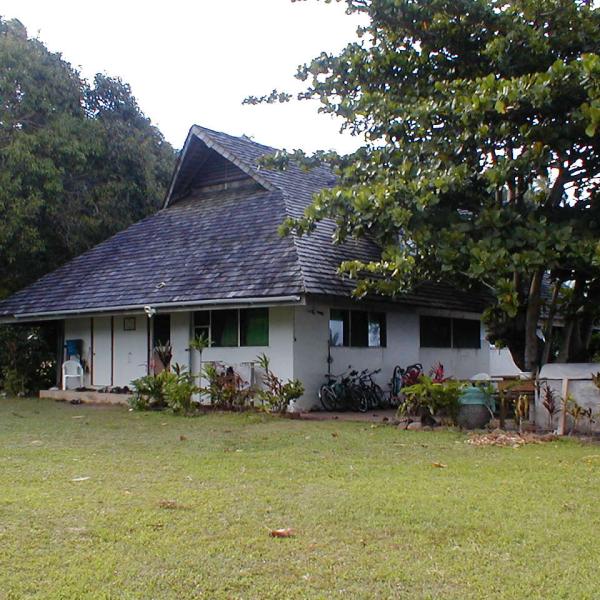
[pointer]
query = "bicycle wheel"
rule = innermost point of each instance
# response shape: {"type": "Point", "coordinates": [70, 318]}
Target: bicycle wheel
{"type": "Point", "coordinates": [376, 395]}
{"type": "Point", "coordinates": [328, 398]}
{"type": "Point", "coordinates": [360, 398]}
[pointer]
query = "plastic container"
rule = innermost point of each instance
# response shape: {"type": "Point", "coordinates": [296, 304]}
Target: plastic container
{"type": "Point", "coordinates": [475, 408]}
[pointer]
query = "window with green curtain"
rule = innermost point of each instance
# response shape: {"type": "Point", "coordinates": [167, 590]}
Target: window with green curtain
{"type": "Point", "coordinates": [254, 327]}
{"type": "Point", "coordinates": [224, 328]}
{"type": "Point", "coordinates": [339, 327]}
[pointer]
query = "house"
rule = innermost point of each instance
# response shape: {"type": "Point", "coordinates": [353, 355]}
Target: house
{"type": "Point", "coordinates": [211, 262]}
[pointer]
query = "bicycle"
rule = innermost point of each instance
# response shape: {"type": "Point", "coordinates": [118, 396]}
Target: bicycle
{"type": "Point", "coordinates": [371, 394]}
{"type": "Point", "coordinates": [340, 392]}
{"type": "Point", "coordinates": [403, 378]}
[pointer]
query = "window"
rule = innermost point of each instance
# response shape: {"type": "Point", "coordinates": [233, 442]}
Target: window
{"type": "Point", "coordinates": [466, 333]}
{"type": "Point", "coordinates": [128, 323]}
{"type": "Point", "coordinates": [224, 328]}
{"type": "Point", "coordinates": [358, 328]}
{"type": "Point", "coordinates": [233, 327]}
{"type": "Point", "coordinates": [339, 327]}
{"type": "Point", "coordinates": [446, 332]}
{"type": "Point", "coordinates": [254, 327]}
{"type": "Point", "coordinates": [202, 325]}
{"type": "Point", "coordinates": [377, 330]}
{"type": "Point", "coordinates": [436, 332]}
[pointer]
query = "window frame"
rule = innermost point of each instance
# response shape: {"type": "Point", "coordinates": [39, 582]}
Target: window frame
{"type": "Point", "coordinates": [453, 343]}
{"type": "Point", "coordinates": [207, 328]}
{"type": "Point", "coordinates": [344, 315]}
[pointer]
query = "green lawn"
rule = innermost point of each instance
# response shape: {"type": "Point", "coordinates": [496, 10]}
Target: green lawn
{"type": "Point", "coordinates": [165, 517]}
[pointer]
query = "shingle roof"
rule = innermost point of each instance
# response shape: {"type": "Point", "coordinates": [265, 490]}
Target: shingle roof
{"type": "Point", "coordinates": [216, 245]}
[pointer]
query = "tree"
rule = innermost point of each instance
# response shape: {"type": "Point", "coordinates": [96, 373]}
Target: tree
{"type": "Point", "coordinates": [78, 162]}
{"type": "Point", "coordinates": [481, 164]}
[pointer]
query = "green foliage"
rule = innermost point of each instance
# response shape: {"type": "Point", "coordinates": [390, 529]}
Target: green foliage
{"type": "Point", "coordinates": [277, 395]}
{"type": "Point", "coordinates": [428, 397]}
{"type": "Point", "coordinates": [173, 389]}
{"type": "Point", "coordinates": [13, 382]}
{"type": "Point", "coordinates": [226, 389]}
{"type": "Point", "coordinates": [199, 343]}
{"type": "Point", "coordinates": [78, 161]}
{"type": "Point", "coordinates": [481, 159]}
{"type": "Point", "coordinates": [149, 391]}
{"type": "Point", "coordinates": [27, 358]}
{"type": "Point", "coordinates": [179, 387]}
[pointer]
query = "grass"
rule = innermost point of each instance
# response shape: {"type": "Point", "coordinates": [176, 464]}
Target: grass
{"type": "Point", "coordinates": [182, 508]}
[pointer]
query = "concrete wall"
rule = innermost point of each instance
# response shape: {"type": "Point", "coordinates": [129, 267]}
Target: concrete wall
{"type": "Point", "coordinates": [502, 363]}
{"type": "Point", "coordinates": [580, 386]}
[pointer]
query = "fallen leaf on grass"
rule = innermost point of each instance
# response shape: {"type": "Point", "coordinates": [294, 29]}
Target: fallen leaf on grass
{"type": "Point", "coordinates": [282, 533]}
{"type": "Point", "coordinates": [80, 479]}
{"type": "Point", "coordinates": [334, 434]}
{"type": "Point", "coordinates": [172, 505]}
{"type": "Point", "coordinates": [439, 465]}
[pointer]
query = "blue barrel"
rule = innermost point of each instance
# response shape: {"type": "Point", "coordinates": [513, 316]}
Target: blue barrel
{"type": "Point", "coordinates": [476, 408]}
{"type": "Point", "coordinates": [74, 348]}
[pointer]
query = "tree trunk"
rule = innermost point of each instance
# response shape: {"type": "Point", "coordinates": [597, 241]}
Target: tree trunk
{"type": "Point", "coordinates": [531, 323]}
{"type": "Point", "coordinates": [548, 331]}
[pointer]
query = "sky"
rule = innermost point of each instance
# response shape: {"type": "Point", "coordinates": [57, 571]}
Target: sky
{"type": "Point", "coordinates": [193, 62]}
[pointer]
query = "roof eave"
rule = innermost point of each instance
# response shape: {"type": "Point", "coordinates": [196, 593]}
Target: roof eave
{"type": "Point", "coordinates": [221, 303]}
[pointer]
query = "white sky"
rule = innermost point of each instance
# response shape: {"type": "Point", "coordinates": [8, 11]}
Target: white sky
{"type": "Point", "coordinates": [194, 61]}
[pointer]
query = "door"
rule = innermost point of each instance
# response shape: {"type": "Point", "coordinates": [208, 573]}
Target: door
{"type": "Point", "coordinates": [102, 351]}
{"type": "Point", "coordinates": [161, 342]}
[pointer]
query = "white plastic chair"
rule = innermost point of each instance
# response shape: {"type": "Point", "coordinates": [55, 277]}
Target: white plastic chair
{"type": "Point", "coordinates": [72, 369]}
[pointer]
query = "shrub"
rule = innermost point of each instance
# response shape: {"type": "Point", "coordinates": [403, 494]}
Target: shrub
{"type": "Point", "coordinates": [226, 388]}
{"type": "Point", "coordinates": [178, 389]}
{"type": "Point", "coordinates": [149, 391]}
{"type": "Point", "coordinates": [28, 358]}
{"type": "Point", "coordinates": [13, 382]}
{"type": "Point", "coordinates": [277, 394]}
{"type": "Point", "coordinates": [428, 398]}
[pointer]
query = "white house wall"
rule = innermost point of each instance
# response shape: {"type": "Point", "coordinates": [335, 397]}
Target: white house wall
{"type": "Point", "coordinates": [311, 346]}
{"type": "Point", "coordinates": [403, 348]}
{"type": "Point", "coordinates": [130, 355]}
{"type": "Point", "coordinates": [311, 335]}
